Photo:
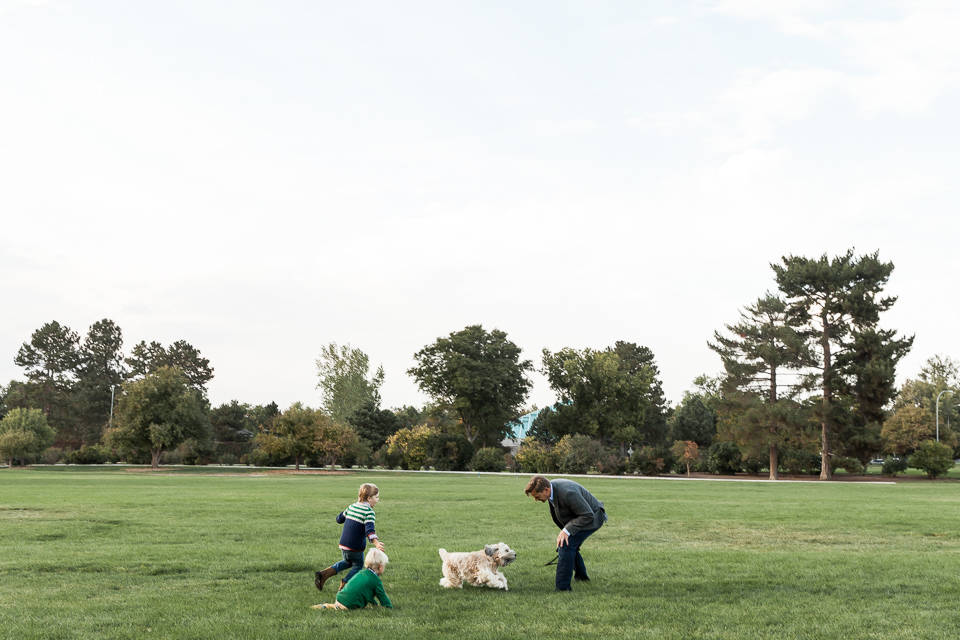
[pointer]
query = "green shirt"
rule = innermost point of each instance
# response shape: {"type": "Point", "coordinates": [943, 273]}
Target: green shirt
{"type": "Point", "coordinates": [361, 591]}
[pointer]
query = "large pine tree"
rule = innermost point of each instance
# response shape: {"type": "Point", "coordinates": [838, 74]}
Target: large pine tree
{"type": "Point", "coordinates": [756, 352]}
{"type": "Point", "coordinates": [839, 301]}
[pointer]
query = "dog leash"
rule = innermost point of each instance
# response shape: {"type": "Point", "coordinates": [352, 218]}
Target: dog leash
{"type": "Point", "coordinates": [554, 561]}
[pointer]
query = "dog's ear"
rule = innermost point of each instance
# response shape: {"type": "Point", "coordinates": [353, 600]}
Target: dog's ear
{"type": "Point", "coordinates": [490, 550]}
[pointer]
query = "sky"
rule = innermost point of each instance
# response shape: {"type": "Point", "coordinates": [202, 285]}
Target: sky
{"type": "Point", "coordinates": [261, 179]}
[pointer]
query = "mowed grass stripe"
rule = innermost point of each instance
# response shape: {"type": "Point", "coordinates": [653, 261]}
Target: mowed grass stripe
{"type": "Point", "coordinates": [113, 554]}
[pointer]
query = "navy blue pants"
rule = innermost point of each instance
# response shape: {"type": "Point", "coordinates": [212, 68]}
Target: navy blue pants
{"type": "Point", "coordinates": [570, 562]}
{"type": "Point", "coordinates": [352, 560]}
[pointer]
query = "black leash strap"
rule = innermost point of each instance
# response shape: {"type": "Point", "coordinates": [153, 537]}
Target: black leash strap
{"type": "Point", "coordinates": [554, 561]}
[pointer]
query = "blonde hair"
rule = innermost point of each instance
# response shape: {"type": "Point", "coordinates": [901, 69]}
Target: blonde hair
{"type": "Point", "coordinates": [367, 491]}
{"type": "Point", "coordinates": [375, 558]}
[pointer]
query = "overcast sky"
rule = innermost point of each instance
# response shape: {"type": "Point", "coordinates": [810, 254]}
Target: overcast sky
{"type": "Point", "coordinates": [263, 178]}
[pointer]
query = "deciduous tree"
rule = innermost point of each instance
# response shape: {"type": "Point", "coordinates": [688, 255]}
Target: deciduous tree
{"type": "Point", "coordinates": [908, 426]}
{"type": "Point", "coordinates": [686, 451]}
{"type": "Point", "coordinates": [479, 376]}
{"type": "Point", "coordinates": [24, 432]}
{"type": "Point", "coordinates": [158, 413]}
{"type": "Point", "coordinates": [598, 395]}
{"type": "Point", "coordinates": [335, 441]}
{"type": "Point", "coordinates": [345, 381]}
{"type": "Point", "coordinates": [294, 433]}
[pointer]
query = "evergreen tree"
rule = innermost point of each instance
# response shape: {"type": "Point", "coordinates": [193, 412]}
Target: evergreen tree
{"type": "Point", "coordinates": [99, 375]}
{"type": "Point", "coordinates": [148, 358]}
{"type": "Point", "coordinates": [693, 421]}
{"type": "Point", "coordinates": [758, 408]}
{"type": "Point", "coordinates": [374, 425]}
{"type": "Point", "coordinates": [836, 300]}
{"type": "Point", "coordinates": [869, 367]}
{"type": "Point", "coordinates": [51, 359]}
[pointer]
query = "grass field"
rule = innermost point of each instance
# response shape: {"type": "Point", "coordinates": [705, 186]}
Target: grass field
{"type": "Point", "coordinates": [115, 553]}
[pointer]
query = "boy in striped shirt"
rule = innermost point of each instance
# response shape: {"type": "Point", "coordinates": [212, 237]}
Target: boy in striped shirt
{"type": "Point", "coordinates": [358, 522]}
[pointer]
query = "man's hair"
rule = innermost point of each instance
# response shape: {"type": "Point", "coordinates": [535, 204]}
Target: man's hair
{"type": "Point", "coordinates": [375, 558]}
{"type": "Point", "coordinates": [536, 485]}
{"type": "Point", "coordinates": [367, 491]}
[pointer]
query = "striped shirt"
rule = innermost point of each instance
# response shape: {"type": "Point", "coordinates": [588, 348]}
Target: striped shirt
{"type": "Point", "coordinates": [358, 522]}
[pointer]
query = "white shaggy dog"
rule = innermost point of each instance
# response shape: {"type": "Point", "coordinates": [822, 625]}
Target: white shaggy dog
{"type": "Point", "coordinates": [477, 567]}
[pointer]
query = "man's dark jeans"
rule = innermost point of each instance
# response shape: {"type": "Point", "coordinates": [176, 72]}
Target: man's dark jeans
{"type": "Point", "coordinates": [570, 562]}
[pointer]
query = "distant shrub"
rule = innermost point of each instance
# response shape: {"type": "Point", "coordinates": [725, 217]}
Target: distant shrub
{"type": "Point", "coordinates": [651, 461]}
{"type": "Point", "coordinates": [723, 458]}
{"type": "Point", "coordinates": [850, 465]}
{"type": "Point", "coordinates": [797, 461]}
{"type": "Point", "coordinates": [577, 454]}
{"type": "Point", "coordinates": [449, 451]}
{"type": "Point", "coordinates": [88, 454]}
{"type": "Point", "coordinates": [534, 456]}
{"type": "Point", "coordinates": [195, 452]}
{"type": "Point", "coordinates": [933, 457]}
{"type": "Point", "coordinates": [53, 455]}
{"type": "Point", "coordinates": [754, 464]}
{"type": "Point", "coordinates": [893, 466]}
{"type": "Point", "coordinates": [228, 459]}
{"type": "Point", "coordinates": [386, 458]}
{"type": "Point", "coordinates": [260, 458]}
{"type": "Point", "coordinates": [611, 463]}
{"type": "Point", "coordinates": [411, 445]}
{"type": "Point", "coordinates": [489, 459]}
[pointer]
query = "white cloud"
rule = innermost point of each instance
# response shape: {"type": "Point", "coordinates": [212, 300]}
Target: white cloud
{"type": "Point", "coordinates": [903, 63]}
{"type": "Point", "coordinates": [762, 100]}
{"type": "Point", "coordinates": [566, 126]}
{"type": "Point", "coordinates": [793, 17]}
{"type": "Point", "coordinates": [910, 62]}
{"type": "Point", "coordinates": [7, 6]}
{"type": "Point", "coordinates": [891, 194]}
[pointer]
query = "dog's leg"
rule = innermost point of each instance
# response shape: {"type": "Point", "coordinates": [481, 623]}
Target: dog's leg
{"type": "Point", "coordinates": [503, 581]}
{"type": "Point", "coordinates": [450, 578]}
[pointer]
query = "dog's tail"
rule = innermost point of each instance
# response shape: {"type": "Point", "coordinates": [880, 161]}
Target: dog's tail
{"type": "Point", "coordinates": [443, 554]}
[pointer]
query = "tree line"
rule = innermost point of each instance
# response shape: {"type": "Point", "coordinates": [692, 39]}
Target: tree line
{"type": "Point", "coordinates": [808, 385]}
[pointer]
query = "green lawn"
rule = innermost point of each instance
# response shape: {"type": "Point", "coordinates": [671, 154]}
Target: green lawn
{"type": "Point", "coordinates": [112, 553]}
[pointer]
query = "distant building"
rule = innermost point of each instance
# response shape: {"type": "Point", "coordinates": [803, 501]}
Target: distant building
{"type": "Point", "coordinates": [521, 427]}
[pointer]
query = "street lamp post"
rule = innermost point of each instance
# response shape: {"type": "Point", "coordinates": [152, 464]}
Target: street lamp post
{"type": "Point", "coordinates": [113, 386]}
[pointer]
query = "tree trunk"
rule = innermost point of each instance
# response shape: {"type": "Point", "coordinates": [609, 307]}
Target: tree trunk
{"type": "Point", "coordinates": [155, 454]}
{"type": "Point", "coordinates": [774, 448]}
{"type": "Point", "coordinates": [826, 473]}
{"type": "Point", "coordinates": [471, 438]}
{"type": "Point", "coordinates": [688, 469]}
{"type": "Point", "coordinates": [296, 462]}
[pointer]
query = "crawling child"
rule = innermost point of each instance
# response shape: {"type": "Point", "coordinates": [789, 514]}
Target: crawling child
{"type": "Point", "coordinates": [365, 587]}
